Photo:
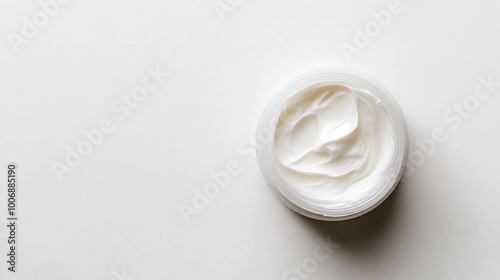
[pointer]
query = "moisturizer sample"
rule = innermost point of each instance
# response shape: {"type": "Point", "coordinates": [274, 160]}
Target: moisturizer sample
{"type": "Point", "coordinates": [335, 144]}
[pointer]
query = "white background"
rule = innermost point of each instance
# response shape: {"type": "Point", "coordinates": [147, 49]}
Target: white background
{"type": "Point", "coordinates": [116, 216]}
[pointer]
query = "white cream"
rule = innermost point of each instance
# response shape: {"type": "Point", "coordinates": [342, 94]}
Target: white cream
{"type": "Point", "coordinates": [335, 145]}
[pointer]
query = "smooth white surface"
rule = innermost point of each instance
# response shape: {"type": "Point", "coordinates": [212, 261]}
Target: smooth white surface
{"type": "Point", "coordinates": [119, 210]}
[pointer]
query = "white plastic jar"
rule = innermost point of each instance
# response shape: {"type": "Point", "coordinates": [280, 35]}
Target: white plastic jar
{"type": "Point", "coordinates": [332, 144]}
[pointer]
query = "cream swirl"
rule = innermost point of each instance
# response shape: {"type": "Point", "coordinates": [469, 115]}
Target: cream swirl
{"type": "Point", "coordinates": [335, 143]}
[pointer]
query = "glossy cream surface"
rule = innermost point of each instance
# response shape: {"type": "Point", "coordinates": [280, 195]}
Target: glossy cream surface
{"type": "Point", "coordinates": [335, 144]}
